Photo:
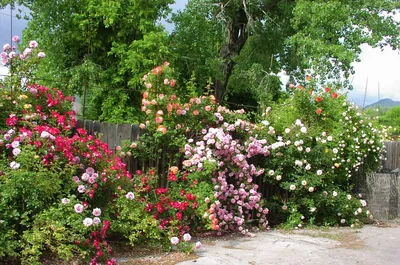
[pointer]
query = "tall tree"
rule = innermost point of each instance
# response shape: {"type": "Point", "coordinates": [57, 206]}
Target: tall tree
{"type": "Point", "coordinates": [267, 36]}
{"type": "Point", "coordinates": [99, 49]}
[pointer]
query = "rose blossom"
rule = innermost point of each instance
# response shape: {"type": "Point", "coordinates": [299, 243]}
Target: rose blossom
{"type": "Point", "coordinates": [16, 39]}
{"type": "Point", "coordinates": [88, 221]}
{"type": "Point", "coordinates": [96, 212]}
{"type": "Point", "coordinates": [16, 151]}
{"type": "Point", "coordinates": [174, 240]}
{"type": "Point", "coordinates": [33, 44]}
{"type": "Point", "coordinates": [14, 165]}
{"type": "Point", "coordinates": [78, 208]}
{"type": "Point", "coordinates": [81, 188]}
{"type": "Point", "coordinates": [96, 220]}
{"type": "Point", "coordinates": [186, 237]}
{"type": "Point", "coordinates": [130, 195]}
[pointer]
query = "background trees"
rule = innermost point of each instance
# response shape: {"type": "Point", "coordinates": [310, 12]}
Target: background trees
{"type": "Point", "coordinates": [99, 49]}
{"type": "Point", "coordinates": [261, 38]}
{"type": "Point", "coordinates": [238, 47]}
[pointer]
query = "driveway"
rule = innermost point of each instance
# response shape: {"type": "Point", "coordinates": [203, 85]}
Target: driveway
{"type": "Point", "coordinates": [370, 245]}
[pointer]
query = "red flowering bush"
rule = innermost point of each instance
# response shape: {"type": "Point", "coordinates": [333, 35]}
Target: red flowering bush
{"type": "Point", "coordinates": [58, 190]}
{"type": "Point", "coordinates": [157, 214]}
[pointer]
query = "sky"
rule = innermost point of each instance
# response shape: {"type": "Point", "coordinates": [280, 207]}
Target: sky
{"type": "Point", "coordinates": [380, 67]}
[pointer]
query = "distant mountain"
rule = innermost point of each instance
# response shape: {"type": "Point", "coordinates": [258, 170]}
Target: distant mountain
{"type": "Point", "coordinates": [384, 104]}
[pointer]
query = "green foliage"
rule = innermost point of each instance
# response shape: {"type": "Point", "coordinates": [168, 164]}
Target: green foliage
{"type": "Point", "coordinates": [57, 230]}
{"type": "Point", "coordinates": [29, 190]}
{"type": "Point", "coordinates": [392, 118]}
{"type": "Point", "coordinates": [137, 225]}
{"type": "Point", "coordinates": [99, 48]}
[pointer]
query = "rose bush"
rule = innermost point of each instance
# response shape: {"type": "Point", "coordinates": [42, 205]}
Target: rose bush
{"type": "Point", "coordinates": [58, 188]}
{"type": "Point", "coordinates": [319, 143]}
{"type": "Point", "coordinates": [227, 198]}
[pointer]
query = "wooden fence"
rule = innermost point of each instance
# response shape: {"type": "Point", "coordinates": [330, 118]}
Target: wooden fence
{"type": "Point", "coordinates": [115, 134]}
{"type": "Point", "coordinates": [392, 156]}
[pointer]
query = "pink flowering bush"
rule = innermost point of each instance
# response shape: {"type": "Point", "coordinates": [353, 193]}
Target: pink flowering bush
{"type": "Point", "coordinates": [201, 130]}
{"type": "Point", "coordinates": [236, 202]}
{"type": "Point", "coordinates": [22, 66]}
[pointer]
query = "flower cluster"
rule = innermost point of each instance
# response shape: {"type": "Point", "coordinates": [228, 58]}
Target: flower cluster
{"type": "Point", "coordinates": [9, 52]}
{"type": "Point", "coordinates": [236, 198]}
{"type": "Point", "coordinates": [172, 207]}
{"type": "Point", "coordinates": [184, 243]}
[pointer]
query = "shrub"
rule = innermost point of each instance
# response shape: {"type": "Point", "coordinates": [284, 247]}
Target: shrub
{"type": "Point", "coordinates": [57, 188]}
{"type": "Point", "coordinates": [320, 142]}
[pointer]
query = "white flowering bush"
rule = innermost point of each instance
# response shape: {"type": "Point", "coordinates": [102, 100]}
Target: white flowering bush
{"type": "Point", "coordinates": [319, 142]}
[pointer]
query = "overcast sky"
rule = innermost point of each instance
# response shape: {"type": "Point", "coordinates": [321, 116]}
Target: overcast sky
{"type": "Point", "coordinates": [380, 67]}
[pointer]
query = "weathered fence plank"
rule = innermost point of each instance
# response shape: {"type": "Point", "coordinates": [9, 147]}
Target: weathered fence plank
{"type": "Point", "coordinates": [392, 156]}
{"type": "Point", "coordinates": [103, 131]}
{"type": "Point", "coordinates": [113, 138]}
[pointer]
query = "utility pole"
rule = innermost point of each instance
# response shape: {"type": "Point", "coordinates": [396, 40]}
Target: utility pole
{"type": "Point", "coordinates": [365, 94]}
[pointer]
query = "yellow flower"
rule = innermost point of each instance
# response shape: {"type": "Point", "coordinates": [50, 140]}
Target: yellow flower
{"type": "Point", "coordinates": [337, 165]}
{"type": "Point", "coordinates": [27, 106]}
{"type": "Point", "coordinates": [326, 150]}
{"type": "Point", "coordinates": [22, 97]}
{"type": "Point", "coordinates": [36, 156]}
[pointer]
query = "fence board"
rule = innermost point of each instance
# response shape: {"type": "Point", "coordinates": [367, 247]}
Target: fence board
{"type": "Point", "coordinates": [112, 136]}
{"type": "Point", "coordinates": [104, 132]}
{"type": "Point", "coordinates": [124, 132]}
{"type": "Point", "coordinates": [89, 126]}
{"type": "Point", "coordinates": [80, 124]}
{"type": "Point", "coordinates": [96, 127]}
{"type": "Point", "coordinates": [392, 156]}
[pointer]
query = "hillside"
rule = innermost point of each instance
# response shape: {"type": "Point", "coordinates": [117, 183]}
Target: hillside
{"type": "Point", "coordinates": [384, 104]}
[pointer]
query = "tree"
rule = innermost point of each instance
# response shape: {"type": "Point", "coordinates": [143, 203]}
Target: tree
{"type": "Point", "coordinates": [99, 49]}
{"type": "Point", "coordinates": [392, 118]}
{"type": "Point", "coordinates": [261, 38]}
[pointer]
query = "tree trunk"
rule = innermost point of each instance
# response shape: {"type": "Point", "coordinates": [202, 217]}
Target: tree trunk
{"type": "Point", "coordinates": [236, 38]}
